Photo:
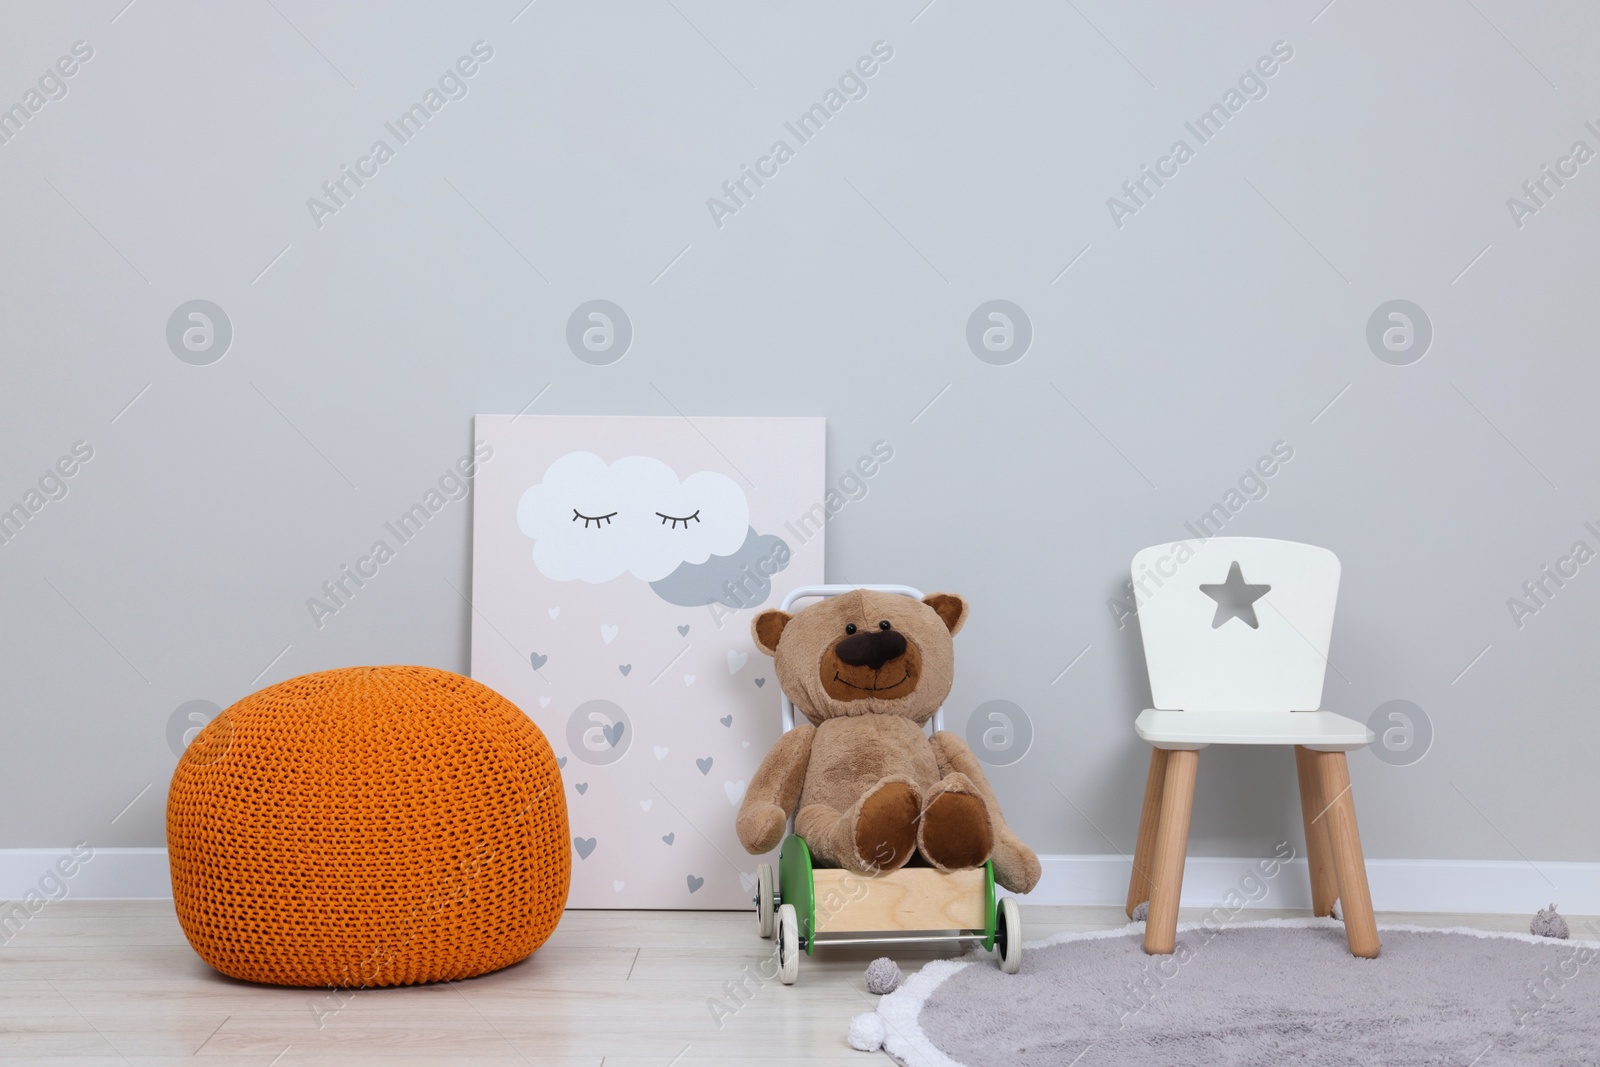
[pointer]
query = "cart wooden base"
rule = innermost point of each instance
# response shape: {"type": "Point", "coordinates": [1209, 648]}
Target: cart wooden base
{"type": "Point", "coordinates": [805, 907]}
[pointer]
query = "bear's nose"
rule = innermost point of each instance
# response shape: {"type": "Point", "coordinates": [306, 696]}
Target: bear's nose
{"type": "Point", "coordinates": [871, 649]}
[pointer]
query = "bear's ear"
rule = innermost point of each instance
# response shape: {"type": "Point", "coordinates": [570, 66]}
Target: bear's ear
{"type": "Point", "coordinates": [951, 608]}
{"type": "Point", "coordinates": [767, 627]}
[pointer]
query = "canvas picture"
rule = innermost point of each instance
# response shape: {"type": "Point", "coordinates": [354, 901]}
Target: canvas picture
{"type": "Point", "coordinates": [617, 562]}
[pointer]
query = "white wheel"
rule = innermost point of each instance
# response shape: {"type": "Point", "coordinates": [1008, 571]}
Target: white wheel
{"type": "Point", "coordinates": [764, 901]}
{"type": "Point", "coordinates": [788, 944]}
{"type": "Point", "coordinates": [1008, 936]}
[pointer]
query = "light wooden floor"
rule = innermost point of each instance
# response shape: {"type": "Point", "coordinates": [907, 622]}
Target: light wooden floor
{"type": "Point", "coordinates": [114, 983]}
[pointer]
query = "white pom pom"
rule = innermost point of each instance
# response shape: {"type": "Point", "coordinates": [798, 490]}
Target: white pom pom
{"type": "Point", "coordinates": [1141, 913]}
{"type": "Point", "coordinates": [866, 1032]}
{"type": "Point", "coordinates": [1338, 910]}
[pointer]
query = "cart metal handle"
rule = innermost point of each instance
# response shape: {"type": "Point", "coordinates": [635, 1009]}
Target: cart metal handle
{"type": "Point", "coordinates": [806, 592]}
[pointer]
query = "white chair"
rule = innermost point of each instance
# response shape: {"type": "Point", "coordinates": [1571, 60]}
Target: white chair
{"type": "Point", "coordinates": [1236, 633]}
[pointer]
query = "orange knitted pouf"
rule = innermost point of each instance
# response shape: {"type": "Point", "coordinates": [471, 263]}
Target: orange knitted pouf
{"type": "Point", "coordinates": [372, 826]}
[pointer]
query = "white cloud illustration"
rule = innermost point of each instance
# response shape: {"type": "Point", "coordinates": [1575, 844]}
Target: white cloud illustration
{"type": "Point", "coordinates": [592, 522]}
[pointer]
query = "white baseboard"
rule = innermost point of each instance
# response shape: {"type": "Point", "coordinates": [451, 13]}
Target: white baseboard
{"type": "Point", "coordinates": [108, 874]}
{"type": "Point", "coordinates": [1462, 886]}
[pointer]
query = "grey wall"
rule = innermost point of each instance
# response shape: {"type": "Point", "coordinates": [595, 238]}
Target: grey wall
{"type": "Point", "coordinates": [1226, 314]}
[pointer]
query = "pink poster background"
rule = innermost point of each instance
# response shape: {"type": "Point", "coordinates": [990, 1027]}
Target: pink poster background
{"type": "Point", "coordinates": [652, 789]}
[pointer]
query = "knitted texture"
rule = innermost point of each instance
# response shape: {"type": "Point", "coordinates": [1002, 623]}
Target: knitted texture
{"type": "Point", "coordinates": [883, 976]}
{"type": "Point", "coordinates": [372, 826]}
{"type": "Point", "coordinates": [1549, 924]}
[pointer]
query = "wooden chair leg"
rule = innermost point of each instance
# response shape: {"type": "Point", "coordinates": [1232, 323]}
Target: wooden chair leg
{"type": "Point", "coordinates": [1172, 841]}
{"type": "Point", "coordinates": [1344, 841]}
{"type": "Point", "coordinates": [1319, 855]}
{"type": "Point", "coordinates": [1143, 876]}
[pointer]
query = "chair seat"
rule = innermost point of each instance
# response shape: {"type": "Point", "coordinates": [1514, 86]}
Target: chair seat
{"type": "Point", "coordinates": [1322, 731]}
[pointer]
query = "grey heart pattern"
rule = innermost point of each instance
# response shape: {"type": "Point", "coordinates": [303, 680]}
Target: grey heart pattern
{"type": "Point", "coordinates": [582, 788]}
{"type": "Point", "coordinates": [561, 761]}
{"type": "Point", "coordinates": [670, 838]}
{"type": "Point", "coordinates": [537, 660]}
{"type": "Point", "coordinates": [683, 631]}
{"type": "Point", "coordinates": [726, 720]}
{"type": "Point", "coordinates": [625, 668]}
{"type": "Point", "coordinates": [695, 883]}
{"type": "Point", "coordinates": [613, 732]}
{"type": "Point", "coordinates": [760, 682]}
{"type": "Point", "coordinates": [584, 845]}
{"type": "Point", "coordinates": [704, 765]}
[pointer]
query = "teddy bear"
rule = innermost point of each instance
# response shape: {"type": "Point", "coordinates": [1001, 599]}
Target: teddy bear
{"type": "Point", "coordinates": [868, 669]}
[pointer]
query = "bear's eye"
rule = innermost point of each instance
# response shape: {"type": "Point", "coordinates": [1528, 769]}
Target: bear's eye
{"type": "Point", "coordinates": [883, 624]}
{"type": "Point", "coordinates": [849, 627]}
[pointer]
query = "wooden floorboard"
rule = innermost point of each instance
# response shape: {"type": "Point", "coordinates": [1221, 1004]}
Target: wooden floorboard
{"type": "Point", "coordinates": [93, 983]}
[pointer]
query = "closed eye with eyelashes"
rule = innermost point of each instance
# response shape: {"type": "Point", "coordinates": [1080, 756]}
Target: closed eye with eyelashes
{"type": "Point", "coordinates": [672, 522]}
{"type": "Point", "coordinates": [676, 520]}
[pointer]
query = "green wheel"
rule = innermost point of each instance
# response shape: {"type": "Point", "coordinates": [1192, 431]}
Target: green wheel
{"type": "Point", "coordinates": [795, 887]}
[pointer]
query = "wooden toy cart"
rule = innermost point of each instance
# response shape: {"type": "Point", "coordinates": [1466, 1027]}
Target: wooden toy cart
{"type": "Point", "coordinates": [806, 906]}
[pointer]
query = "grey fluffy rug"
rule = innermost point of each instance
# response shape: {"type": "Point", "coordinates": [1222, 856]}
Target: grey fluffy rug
{"type": "Point", "coordinates": [1285, 991]}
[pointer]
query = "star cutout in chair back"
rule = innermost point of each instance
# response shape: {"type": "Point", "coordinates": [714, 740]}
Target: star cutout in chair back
{"type": "Point", "coordinates": [1235, 598]}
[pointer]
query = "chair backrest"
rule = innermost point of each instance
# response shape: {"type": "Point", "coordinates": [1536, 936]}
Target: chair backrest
{"type": "Point", "coordinates": [810, 592]}
{"type": "Point", "coordinates": [1236, 623]}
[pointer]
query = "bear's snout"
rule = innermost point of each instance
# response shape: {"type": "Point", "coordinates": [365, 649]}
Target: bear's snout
{"type": "Point", "coordinates": [871, 649]}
